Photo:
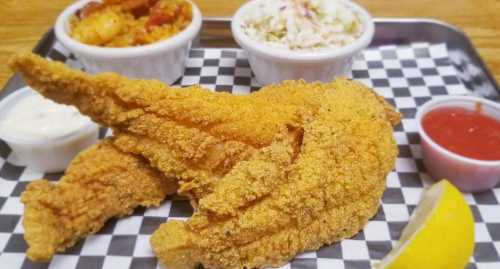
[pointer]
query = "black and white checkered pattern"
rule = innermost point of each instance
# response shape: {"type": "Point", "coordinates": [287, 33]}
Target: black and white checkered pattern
{"type": "Point", "coordinates": [406, 76]}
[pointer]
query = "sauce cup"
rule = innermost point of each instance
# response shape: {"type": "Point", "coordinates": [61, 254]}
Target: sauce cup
{"type": "Point", "coordinates": [43, 154]}
{"type": "Point", "coordinates": [469, 175]}
{"type": "Point", "coordinates": [273, 65]}
{"type": "Point", "coordinates": [164, 60]}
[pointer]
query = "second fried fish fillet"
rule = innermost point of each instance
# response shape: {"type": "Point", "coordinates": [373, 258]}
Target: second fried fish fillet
{"type": "Point", "coordinates": [256, 218]}
{"type": "Point", "coordinates": [309, 96]}
{"type": "Point", "coordinates": [100, 183]}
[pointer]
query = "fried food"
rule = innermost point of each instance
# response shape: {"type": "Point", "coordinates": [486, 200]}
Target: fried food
{"type": "Point", "coordinates": [118, 102]}
{"type": "Point", "coordinates": [191, 134]}
{"type": "Point", "coordinates": [100, 183]}
{"type": "Point", "coordinates": [284, 170]}
{"type": "Point", "coordinates": [328, 193]}
{"type": "Point", "coordinates": [309, 96]}
{"type": "Point", "coordinates": [173, 141]}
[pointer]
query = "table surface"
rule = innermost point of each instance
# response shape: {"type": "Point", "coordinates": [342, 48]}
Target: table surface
{"type": "Point", "coordinates": [22, 23]}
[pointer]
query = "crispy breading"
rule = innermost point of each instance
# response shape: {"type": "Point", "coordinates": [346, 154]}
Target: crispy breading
{"type": "Point", "coordinates": [191, 134]}
{"type": "Point", "coordinates": [310, 95]}
{"type": "Point", "coordinates": [284, 170]}
{"type": "Point", "coordinates": [257, 177]}
{"type": "Point", "coordinates": [100, 183]}
{"type": "Point", "coordinates": [329, 193]}
{"type": "Point", "coordinates": [123, 103]}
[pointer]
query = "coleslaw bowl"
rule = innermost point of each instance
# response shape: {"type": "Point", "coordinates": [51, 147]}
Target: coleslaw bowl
{"type": "Point", "coordinates": [273, 65]}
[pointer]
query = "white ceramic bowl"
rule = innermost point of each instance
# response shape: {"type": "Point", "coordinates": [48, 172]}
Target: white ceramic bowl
{"type": "Point", "coordinates": [164, 60]}
{"type": "Point", "coordinates": [469, 175]}
{"type": "Point", "coordinates": [46, 155]}
{"type": "Point", "coordinates": [273, 65]}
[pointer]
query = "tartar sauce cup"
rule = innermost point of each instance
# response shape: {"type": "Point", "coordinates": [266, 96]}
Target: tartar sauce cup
{"type": "Point", "coordinates": [273, 64]}
{"type": "Point", "coordinates": [46, 155]}
{"type": "Point", "coordinates": [164, 60]}
{"type": "Point", "coordinates": [469, 175]}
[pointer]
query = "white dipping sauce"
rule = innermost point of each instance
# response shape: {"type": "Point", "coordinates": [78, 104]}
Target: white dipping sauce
{"type": "Point", "coordinates": [34, 117]}
{"type": "Point", "coordinates": [42, 134]}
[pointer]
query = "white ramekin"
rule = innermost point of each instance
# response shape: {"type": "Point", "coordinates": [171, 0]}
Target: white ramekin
{"type": "Point", "coordinates": [164, 60]}
{"type": "Point", "coordinates": [469, 175]}
{"type": "Point", "coordinates": [273, 65]}
{"type": "Point", "coordinates": [46, 155]}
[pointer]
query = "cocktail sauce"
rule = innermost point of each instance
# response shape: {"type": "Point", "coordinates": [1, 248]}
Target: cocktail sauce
{"type": "Point", "coordinates": [466, 132]}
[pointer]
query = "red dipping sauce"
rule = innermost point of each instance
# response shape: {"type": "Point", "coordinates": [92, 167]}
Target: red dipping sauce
{"type": "Point", "coordinates": [466, 132]}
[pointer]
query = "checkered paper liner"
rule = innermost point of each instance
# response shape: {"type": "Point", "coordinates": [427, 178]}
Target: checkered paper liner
{"type": "Point", "coordinates": [407, 76]}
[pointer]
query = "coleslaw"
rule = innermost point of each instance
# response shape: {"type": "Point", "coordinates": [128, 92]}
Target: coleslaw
{"type": "Point", "coordinates": [302, 25]}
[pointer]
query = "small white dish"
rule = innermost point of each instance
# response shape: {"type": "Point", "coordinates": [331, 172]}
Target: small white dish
{"type": "Point", "coordinates": [469, 175]}
{"type": "Point", "coordinates": [273, 65]}
{"type": "Point", "coordinates": [46, 155]}
{"type": "Point", "coordinates": [164, 60]}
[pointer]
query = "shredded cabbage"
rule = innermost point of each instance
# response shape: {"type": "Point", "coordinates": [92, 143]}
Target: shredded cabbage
{"type": "Point", "coordinates": [302, 25]}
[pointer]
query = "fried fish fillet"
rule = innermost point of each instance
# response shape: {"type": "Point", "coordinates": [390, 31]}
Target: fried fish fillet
{"type": "Point", "coordinates": [328, 192]}
{"type": "Point", "coordinates": [177, 147]}
{"type": "Point", "coordinates": [115, 101]}
{"type": "Point", "coordinates": [309, 96]}
{"type": "Point", "coordinates": [233, 153]}
{"type": "Point", "coordinates": [191, 134]}
{"type": "Point", "coordinates": [100, 183]}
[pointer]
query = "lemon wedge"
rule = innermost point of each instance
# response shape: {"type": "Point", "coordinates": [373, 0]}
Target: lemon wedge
{"type": "Point", "coordinates": [440, 234]}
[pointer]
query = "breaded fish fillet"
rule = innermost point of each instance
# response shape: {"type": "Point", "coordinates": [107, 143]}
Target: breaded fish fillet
{"type": "Point", "coordinates": [310, 95]}
{"type": "Point", "coordinates": [100, 183]}
{"type": "Point", "coordinates": [115, 101]}
{"type": "Point", "coordinates": [329, 192]}
{"type": "Point", "coordinates": [191, 134]}
{"type": "Point", "coordinates": [237, 156]}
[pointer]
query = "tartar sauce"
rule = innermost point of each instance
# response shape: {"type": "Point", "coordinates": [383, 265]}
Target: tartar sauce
{"type": "Point", "coordinates": [35, 117]}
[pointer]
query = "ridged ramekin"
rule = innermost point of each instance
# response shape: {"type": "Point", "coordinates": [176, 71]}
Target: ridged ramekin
{"type": "Point", "coordinates": [273, 65]}
{"type": "Point", "coordinates": [164, 60]}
